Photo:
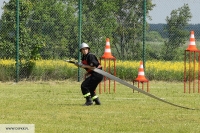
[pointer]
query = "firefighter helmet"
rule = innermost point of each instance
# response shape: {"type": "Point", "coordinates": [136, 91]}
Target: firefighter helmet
{"type": "Point", "coordinates": [84, 45]}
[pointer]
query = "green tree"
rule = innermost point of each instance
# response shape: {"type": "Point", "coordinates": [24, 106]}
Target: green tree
{"type": "Point", "coordinates": [154, 36]}
{"type": "Point", "coordinates": [119, 20]}
{"type": "Point", "coordinates": [56, 23]}
{"type": "Point", "coordinates": [47, 29]}
{"type": "Point", "coordinates": [176, 25]}
{"type": "Point", "coordinates": [8, 22]}
{"type": "Point", "coordinates": [9, 26]}
{"type": "Point", "coordinates": [98, 23]}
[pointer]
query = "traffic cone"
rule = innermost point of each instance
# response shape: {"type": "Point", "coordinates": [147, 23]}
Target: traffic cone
{"type": "Point", "coordinates": [141, 76]}
{"type": "Point", "coordinates": [107, 53]}
{"type": "Point", "coordinates": [192, 45]}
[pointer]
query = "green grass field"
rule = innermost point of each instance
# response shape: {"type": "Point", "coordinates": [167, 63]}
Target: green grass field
{"type": "Point", "coordinates": [56, 107]}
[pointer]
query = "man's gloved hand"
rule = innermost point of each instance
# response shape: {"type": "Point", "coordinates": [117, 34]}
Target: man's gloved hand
{"type": "Point", "coordinates": [79, 64]}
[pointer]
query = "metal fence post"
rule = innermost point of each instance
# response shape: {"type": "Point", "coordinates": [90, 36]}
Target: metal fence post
{"type": "Point", "coordinates": [17, 40]}
{"type": "Point", "coordinates": [79, 35]}
{"type": "Point", "coordinates": [144, 32]}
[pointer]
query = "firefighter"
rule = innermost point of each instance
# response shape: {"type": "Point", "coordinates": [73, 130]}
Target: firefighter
{"type": "Point", "coordinates": [92, 79]}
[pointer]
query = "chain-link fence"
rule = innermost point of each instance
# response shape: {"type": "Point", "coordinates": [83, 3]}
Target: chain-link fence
{"type": "Point", "coordinates": [48, 30]}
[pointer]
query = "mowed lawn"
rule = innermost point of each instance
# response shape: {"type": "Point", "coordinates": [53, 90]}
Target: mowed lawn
{"type": "Point", "coordinates": [56, 107]}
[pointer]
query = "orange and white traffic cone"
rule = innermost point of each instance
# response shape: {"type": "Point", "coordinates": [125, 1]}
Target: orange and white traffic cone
{"type": "Point", "coordinates": [141, 77]}
{"type": "Point", "coordinates": [107, 53]}
{"type": "Point", "coordinates": [192, 45]}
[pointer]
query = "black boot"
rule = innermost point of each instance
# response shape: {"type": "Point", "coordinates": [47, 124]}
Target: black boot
{"type": "Point", "coordinates": [88, 101]}
{"type": "Point", "coordinates": [97, 101]}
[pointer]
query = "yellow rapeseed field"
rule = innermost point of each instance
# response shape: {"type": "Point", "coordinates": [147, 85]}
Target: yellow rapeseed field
{"type": "Point", "coordinates": [165, 66]}
{"type": "Point", "coordinates": [7, 62]}
{"type": "Point", "coordinates": [53, 63]}
{"type": "Point", "coordinates": [154, 70]}
{"type": "Point", "coordinates": [157, 65]}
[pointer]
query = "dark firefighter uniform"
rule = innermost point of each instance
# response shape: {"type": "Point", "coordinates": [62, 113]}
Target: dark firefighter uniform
{"type": "Point", "coordinates": [91, 82]}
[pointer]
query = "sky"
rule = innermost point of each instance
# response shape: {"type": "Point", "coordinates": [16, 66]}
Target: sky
{"type": "Point", "coordinates": [163, 9]}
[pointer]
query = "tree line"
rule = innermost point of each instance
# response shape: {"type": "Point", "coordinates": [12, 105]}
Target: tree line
{"type": "Point", "coordinates": [49, 29]}
{"type": "Point", "coordinates": [160, 29]}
